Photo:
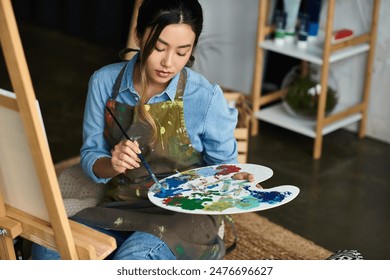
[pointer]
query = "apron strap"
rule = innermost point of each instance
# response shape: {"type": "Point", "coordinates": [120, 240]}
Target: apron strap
{"type": "Point", "coordinates": [117, 84]}
{"type": "Point", "coordinates": [181, 84]}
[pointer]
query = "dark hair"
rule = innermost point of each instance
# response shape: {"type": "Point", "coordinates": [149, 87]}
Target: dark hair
{"type": "Point", "coordinates": [156, 15]}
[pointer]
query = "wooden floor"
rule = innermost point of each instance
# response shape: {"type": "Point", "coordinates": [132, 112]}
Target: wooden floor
{"type": "Point", "coordinates": [344, 199]}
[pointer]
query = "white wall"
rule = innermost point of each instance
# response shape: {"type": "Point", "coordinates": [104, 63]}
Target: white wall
{"type": "Point", "coordinates": [227, 47]}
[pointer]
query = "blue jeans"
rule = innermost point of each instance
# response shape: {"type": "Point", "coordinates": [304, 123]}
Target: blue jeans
{"type": "Point", "coordinates": [130, 246]}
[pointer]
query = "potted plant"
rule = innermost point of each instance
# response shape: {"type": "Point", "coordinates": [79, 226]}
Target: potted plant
{"type": "Point", "coordinates": [303, 93]}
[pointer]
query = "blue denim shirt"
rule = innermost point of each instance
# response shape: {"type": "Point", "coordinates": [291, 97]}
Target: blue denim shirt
{"type": "Point", "coordinates": [210, 122]}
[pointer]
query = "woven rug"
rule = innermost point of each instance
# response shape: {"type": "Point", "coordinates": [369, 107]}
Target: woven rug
{"type": "Point", "coordinates": [260, 239]}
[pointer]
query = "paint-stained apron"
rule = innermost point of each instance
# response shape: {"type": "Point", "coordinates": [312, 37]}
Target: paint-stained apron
{"type": "Point", "coordinates": [126, 206]}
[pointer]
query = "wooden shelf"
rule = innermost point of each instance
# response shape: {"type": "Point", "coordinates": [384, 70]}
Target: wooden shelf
{"type": "Point", "coordinates": [314, 51]}
{"type": "Point", "coordinates": [278, 115]}
{"type": "Point", "coordinates": [323, 53]}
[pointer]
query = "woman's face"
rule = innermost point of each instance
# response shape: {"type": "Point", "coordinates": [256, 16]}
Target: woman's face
{"type": "Point", "coordinates": [171, 53]}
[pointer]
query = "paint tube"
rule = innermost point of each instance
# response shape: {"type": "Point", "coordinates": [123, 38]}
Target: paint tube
{"type": "Point", "coordinates": [313, 10]}
{"type": "Point", "coordinates": [292, 8]}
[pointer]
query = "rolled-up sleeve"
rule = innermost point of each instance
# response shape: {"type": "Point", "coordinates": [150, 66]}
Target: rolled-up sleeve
{"type": "Point", "coordinates": [94, 145]}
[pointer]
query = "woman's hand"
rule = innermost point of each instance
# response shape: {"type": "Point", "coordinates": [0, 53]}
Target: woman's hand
{"type": "Point", "coordinates": [245, 176]}
{"type": "Point", "coordinates": [124, 156]}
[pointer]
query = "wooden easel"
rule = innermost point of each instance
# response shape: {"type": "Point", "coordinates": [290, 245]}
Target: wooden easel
{"type": "Point", "coordinates": [130, 43]}
{"type": "Point", "coordinates": [72, 240]}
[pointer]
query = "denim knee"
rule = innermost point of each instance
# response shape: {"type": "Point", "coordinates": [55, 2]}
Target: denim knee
{"type": "Point", "coordinates": [144, 246]}
{"type": "Point", "coordinates": [39, 252]}
{"type": "Point", "coordinates": [137, 246]}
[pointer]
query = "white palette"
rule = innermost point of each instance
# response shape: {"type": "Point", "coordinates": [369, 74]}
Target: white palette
{"type": "Point", "coordinates": [211, 190]}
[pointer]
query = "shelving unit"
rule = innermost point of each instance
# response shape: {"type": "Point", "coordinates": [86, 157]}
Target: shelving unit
{"type": "Point", "coordinates": [320, 54]}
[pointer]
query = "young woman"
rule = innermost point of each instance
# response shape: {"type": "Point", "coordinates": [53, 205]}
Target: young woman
{"type": "Point", "coordinates": [176, 119]}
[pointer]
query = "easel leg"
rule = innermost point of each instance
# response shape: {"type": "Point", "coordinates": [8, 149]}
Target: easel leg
{"type": "Point", "coordinates": [7, 250]}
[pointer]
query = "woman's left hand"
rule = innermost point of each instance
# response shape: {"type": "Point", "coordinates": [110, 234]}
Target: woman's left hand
{"type": "Point", "coordinates": [246, 176]}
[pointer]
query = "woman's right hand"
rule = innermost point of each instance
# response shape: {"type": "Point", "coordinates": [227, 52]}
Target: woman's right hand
{"type": "Point", "coordinates": [124, 156]}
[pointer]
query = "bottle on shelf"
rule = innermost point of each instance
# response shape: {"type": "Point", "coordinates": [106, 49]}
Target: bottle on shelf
{"type": "Point", "coordinates": [280, 25]}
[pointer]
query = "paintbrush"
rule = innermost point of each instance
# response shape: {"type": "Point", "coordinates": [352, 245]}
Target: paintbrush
{"type": "Point", "coordinates": [140, 156]}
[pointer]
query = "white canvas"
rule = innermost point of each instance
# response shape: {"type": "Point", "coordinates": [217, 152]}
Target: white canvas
{"type": "Point", "coordinates": [19, 183]}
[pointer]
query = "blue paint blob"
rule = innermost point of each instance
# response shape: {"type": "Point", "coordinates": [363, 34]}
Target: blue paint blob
{"type": "Point", "coordinates": [164, 193]}
{"type": "Point", "coordinates": [206, 172]}
{"type": "Point", "coordinates": [175, 182]}
{"type": "Point", "coordinates": [173, 185]}
{"type": "Point", "coordinates": [270, 197]}
{"type": "Point", "coordinates": [212, 186]}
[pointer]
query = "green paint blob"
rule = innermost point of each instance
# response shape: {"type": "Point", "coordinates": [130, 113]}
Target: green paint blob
{"type": "Point", "coordinates": [188, 204]}
{"type": "Point", "coordinates": [219, 206]}
{"type": "Point", "coordinates": [248, 202]}
{"type": "Point", "coordinates": [207, 194]}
